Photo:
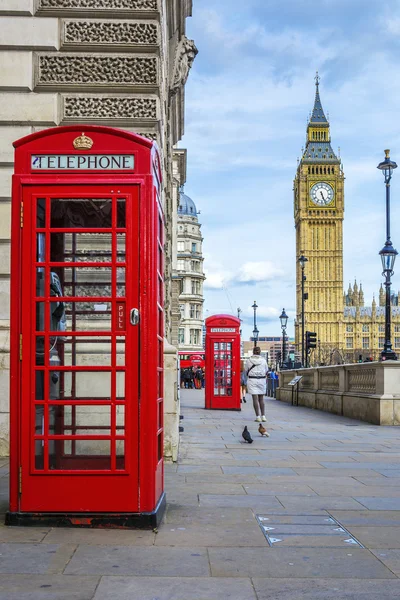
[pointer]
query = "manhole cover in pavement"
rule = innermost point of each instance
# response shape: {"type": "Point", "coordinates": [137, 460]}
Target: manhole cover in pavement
{"type": "Point", "coordinates": [306, 531]}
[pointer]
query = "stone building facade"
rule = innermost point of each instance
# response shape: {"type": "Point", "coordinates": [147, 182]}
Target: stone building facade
{"type": "Point", "coordinates": [189, 271]}
{"type": "Point", "coordinates": [346, 329]}
{"type": "Point", "coordinates": [121, 63]}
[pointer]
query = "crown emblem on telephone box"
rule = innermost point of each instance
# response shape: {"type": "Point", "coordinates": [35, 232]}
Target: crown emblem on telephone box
{"type": "Point", "coordinates": [83, 142]}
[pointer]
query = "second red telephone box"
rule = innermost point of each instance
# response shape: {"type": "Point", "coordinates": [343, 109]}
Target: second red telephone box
{"type": "Point", "coordinates": [223, 362]}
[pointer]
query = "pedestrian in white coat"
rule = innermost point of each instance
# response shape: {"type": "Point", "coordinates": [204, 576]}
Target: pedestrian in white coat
{"type": "Point", "coordinates": [256, 368]}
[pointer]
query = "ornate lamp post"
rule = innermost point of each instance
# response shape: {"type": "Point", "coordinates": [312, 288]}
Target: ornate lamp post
{"type": "Point", "coordinates": [388, 256]}
{"type": "Point", "coordinates": [255, 330]}
{"type": "Point", "coordinates": [283, 319]}
{"type": "Point", "coordinates": [302, 262]}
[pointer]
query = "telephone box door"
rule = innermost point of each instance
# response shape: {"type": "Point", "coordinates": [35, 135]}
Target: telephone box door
{"type": "Point", "coordinates": [79, 384]}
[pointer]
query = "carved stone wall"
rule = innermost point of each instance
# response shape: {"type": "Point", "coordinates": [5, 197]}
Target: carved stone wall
{"type": "Point", "coordinates": [96, 70]}
{"type": "Point", "coordinates": [365, 391]}
{"type": "Point", "coordinates": [329, 380]}
{"type": "Point", "coordinates": [111, 33]}
{"type": "Point", "coordinates": [307, 382]}
{"type": "Point", "coordinates": [120, 108]}
{"type": "Point", "coordinates": [144, 5]}
{"type": "Point", "coordinates": [362, 381]}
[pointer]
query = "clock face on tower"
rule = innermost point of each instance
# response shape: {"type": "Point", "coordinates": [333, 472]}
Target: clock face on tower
{"type": "Point", "coordinates": [321, 194]}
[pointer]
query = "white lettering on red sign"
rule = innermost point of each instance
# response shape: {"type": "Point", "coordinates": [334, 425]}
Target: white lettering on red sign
{"type": "Point", "coordinates": [223, 330]}
{"type": "Point", "coordinates": [82, 162]}
{"type": "Point", "coordinates": [121, 321]}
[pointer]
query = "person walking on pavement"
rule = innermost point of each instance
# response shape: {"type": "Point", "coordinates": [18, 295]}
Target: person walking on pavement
{"type": "Point", "coordinates": [197, 378]}
{"type": "Point", "coordinates": [243, 382]}
{"type": "Point", "coordinates": [256, 369]}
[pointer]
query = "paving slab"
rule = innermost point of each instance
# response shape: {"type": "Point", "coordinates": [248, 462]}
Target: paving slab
{"type": "Point", "coordinates": [34, 558]}
{"type": "Point", "coordinates": [255, 502]}
{"type": "Point", "coordinates": [279, 490]}
{"type": "Point", "coordinates": [22, 534]}
{"type": "Point", "coordinates": [352, 489]}
{"type": "Point", "coordinates": [390, 558]}
{"type": "Point", "coordinates": [139, 562]}
{"type": "Point", "coordinates": [217, 533]}
{"type": "Point", "coordinates": [230, 489]}
{"type": "Point", "coordinates": [378, 479]}
{"type": "Point", "coordinates": [379, 503]}
{"type": "Point", "coordinates": [297, 562]}
{"type": "Point", "coordinates": [238, 478]}
{"type": "Point", "coordinates": [171, 588]}
{"type": "Point", "coordinates": [264, 471]}
{"type": "Point", "coordinates": [47, 587]}
{"type": "Point", "coordinates": [99, 537]}
{"type": "Point", "coordinates": [326, 589]}
{"type": "Point", "coordinates": [301, 503]}
{"type": "Point", "coordinates": [206, 515]}
{"type": "Point", "coordinates": [367, 517]}
{"type": "Point", "coordinates": [376, 536]}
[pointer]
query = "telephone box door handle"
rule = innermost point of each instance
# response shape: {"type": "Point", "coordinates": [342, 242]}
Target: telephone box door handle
{"type": "Point", "coordinates": [135, 316]}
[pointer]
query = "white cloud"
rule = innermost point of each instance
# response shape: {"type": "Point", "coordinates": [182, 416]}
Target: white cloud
{"type": "Point", "coordinates": [256, 272]}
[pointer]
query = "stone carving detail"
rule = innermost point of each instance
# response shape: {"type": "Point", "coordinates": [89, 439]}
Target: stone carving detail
{"type": "Point", "coordinates": [307, 381]}
{"type": "Point", "coordinates": [363, 380]}
{"type": "Point", "coordinates": [97, 70]}
{"type": "Point", "coordinates": [149, 135]}
{"type": "Point", "coordinates": [186, 52]}
{"type": "Point", "coordinates": [92, 32]}
{"type": "Point", "coordinates": [81, 107]}
{"type": "Point", "coordinates": [329, 380]}
{"type": "Point", "coordinates": [99, 4]}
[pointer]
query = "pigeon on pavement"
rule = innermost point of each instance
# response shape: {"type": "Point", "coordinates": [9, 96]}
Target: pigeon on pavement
{"type": "Point", "coordinates": [246, 436]}
{"type": "Point", "coordinates": [263, 431]}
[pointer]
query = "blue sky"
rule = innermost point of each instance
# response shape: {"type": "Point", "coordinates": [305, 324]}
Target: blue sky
{"type": "Point", "coordinates": [247, 102]}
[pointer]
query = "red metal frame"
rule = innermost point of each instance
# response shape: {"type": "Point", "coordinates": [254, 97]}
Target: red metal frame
{"type": "Point", "coordinates": [137, 486]}
{"type": "Point", "coordinates": [222, 380]}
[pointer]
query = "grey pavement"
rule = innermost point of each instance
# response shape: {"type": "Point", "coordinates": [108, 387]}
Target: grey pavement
{"type": "Point", "coordinates": [313, 512]}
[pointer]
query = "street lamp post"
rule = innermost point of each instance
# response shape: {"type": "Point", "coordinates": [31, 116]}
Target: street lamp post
{"type": "Point", "coordinates": [302, 262]}
{"type": "Point", "coordinates": [255, 330]}
{"type": "Point", "coordinates": [388, 256]}
{"type": "Point", "coordinates": [283, 319]}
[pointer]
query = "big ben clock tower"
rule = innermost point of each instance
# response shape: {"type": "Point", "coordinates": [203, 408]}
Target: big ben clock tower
{"type": "Point", "coordinates": [318, 213]}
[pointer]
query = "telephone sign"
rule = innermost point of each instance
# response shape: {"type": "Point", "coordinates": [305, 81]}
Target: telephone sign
{"type": "Point", "coordinates": [82, 162]}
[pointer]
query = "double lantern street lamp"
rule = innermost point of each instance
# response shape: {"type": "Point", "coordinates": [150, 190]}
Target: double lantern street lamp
{"type": "Point", "coordinates": [302, 262]}
{"type": "Point", "coordinates": [283, 319]}
{"type": "Point", "coordinates": [255, 330]}
{"type": "Point", "coordinates": [388, 256]}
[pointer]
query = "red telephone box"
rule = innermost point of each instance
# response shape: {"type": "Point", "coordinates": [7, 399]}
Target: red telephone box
{"type": "Point", "coordinates": [87, 330]}
{"type": "Point", "coordinates": [223, 362]}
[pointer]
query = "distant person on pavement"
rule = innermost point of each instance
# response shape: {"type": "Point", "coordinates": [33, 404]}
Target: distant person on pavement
{"type": "Point", "coordinates": [243, 382]}
{"type": "Point", "coordinates": [256, 369]}
{"type": "Point", "coordinates": [197, 378]}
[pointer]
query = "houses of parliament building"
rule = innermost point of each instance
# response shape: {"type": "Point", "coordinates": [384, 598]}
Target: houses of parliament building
{"type": "Point", "coordinates": [346, 329]}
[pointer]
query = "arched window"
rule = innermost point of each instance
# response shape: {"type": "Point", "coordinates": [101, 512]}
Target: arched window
{"type": "Point", "coordinates": [324, 170]}
{"type": "Point", "coordinates": [313, 170]}
{"type": "Point", "coordinates": [333, 170]}
{"type": "Point", "coordinates": [308, 170]}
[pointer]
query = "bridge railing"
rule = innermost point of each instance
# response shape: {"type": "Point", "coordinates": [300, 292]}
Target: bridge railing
{"type": "Point", "coordinates": [366, 391]}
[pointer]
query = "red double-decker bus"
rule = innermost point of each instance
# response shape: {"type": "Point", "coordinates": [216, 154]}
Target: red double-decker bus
{"type": "Point", "coordinates": [189, 359]}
